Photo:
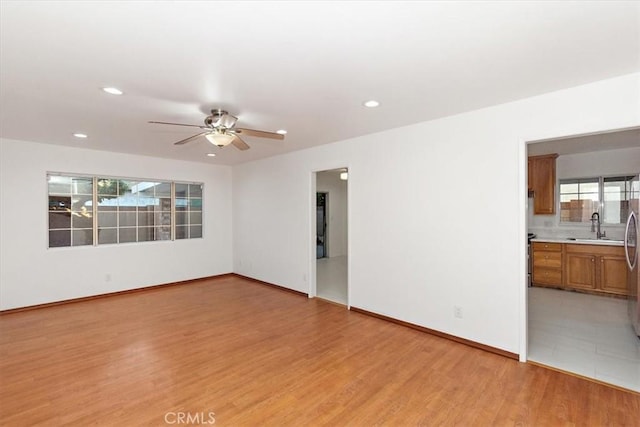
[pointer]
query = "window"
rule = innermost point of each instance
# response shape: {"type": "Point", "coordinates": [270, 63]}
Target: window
{"type": "Point", "coordinates": [609, 196]}
{"type": "Point", "coordinates": [133, 211]}
{"type": "Point", "coordinates": [188, 211]}
{"type": "Point", "coordinates": [617, 193]}
{"type": "Point", "coordinates": [70, 213]}
{"type": "Point", "coordinates": [85, 210]}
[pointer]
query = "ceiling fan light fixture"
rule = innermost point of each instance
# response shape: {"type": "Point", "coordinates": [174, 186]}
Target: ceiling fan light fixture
{"type": "Point", "coordinates": [219, 129]}
{"type": "Point", "coordinates": [219, 139]}
{"type": "Point", "coordinates": [80, 135]}
{"type": "Point", "coordinates": [372, 103]}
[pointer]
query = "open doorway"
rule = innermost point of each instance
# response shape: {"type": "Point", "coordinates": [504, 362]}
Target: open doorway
{"type": "Point", "coordinates": [331, 235]}
{"type": "Point", "coordinates": [578, 297]}
{"type": "Point", "coordinates": [321, 225]}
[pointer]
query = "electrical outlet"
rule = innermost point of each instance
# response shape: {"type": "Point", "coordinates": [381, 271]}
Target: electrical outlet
{"type": "Point", "coordinates": [457, 311]}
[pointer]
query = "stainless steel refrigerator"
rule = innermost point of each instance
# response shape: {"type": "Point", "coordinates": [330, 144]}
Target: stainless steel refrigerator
{"type": "Point", "coordinates": [632, 234]}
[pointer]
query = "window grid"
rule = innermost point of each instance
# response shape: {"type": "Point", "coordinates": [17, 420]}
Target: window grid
{"type": "Point", "coordinates": [133, 211]}
{"type": "Point", "coordinates": [188, 210]}
{"type": "Point", "coordinates": [70, 216]}
{"type": "Point", "coordinates": [85, 210]}
{"type": "Point", "coordinates": [608, 196]}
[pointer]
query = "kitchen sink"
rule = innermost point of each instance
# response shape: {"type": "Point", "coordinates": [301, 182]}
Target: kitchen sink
{"type": "Point", "coordinates": [592, 240]}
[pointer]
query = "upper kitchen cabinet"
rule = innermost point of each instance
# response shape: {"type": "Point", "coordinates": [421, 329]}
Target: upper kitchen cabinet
{"type": "Point", "coordinates": [530, 176]}
{"type": "Point", "coordinates": [542, 183]}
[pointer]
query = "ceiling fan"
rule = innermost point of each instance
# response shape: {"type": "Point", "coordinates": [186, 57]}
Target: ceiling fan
{"type": "Point", "coordinates": [219, 129]}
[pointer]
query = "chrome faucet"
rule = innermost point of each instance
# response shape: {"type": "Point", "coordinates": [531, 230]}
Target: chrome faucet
{"type": "Point", "coordinates": [595, 223]}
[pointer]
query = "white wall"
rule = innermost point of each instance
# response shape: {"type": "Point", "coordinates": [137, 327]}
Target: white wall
{"type": "Point", "coordinates": [336, 188]}
{"type": "Point", "coordinates": [451, 227]}
{"type": "Point", "coordinates": [31, 274]}
{"type": "Point", "coordinates": [583, 165]}
{"type": "Point", "coordinates": [450, 230]}
{"type": "Point", "coordinates": [599, 163]}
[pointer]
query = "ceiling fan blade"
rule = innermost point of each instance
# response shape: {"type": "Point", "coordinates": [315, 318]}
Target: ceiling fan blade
{"type": "Point", "coordinates": [258, 133]}
{"type": "Point", "coordinates": [239, 143]}
{"type": "Point", "coordinates": [178, 124]}
{"type": "Point", "coordinates": [184, 141]}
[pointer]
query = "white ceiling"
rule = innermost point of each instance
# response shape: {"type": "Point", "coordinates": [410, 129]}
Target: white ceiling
{"type": "Point", "coordinates": [302, 66]}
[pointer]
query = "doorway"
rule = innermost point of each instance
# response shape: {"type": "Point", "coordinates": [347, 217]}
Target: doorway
{"type": "Point", "coordinates": [321, 224]}
{"type": "Point", "coordinates": [585, 333]}
{"type": "Point", "coordinates": [331, 223]}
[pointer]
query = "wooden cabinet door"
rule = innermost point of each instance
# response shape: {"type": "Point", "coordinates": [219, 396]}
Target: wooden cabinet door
{"type": "Point", "coordinates": [544, 184]}
{"type": "Point", "coordinates": [529, 175]}
{"type": "Point", "coordinates": [613, 274]}
{"type": "Point", "coordinates": [580, 271]}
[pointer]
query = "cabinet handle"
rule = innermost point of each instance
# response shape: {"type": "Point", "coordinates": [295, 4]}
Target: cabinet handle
{"type": "Point", "coordinates": [593, 260]}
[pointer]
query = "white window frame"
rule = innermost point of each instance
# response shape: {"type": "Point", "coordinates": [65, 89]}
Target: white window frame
{"type": "Point", "coordinates": [600, 209]}
{"type": "Point", "coordinates": [95, 211]}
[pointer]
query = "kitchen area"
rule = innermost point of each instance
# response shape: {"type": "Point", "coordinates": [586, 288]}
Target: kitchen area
{"type": "Point", "coordinates": [583, 282]}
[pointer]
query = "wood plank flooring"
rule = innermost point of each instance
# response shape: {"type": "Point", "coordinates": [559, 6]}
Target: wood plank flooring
{"type": "Point", "coordinates": [259, 356]}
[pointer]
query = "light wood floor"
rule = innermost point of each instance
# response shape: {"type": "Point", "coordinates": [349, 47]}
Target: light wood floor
{"type": "Point", "coordinates": [259, 356]}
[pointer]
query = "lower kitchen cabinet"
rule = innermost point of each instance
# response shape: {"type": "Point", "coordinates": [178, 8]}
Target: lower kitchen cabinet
{"type": "Point", "coordinates": [596, 268]}
{"type": "Point", "coordinates": [613, 274]}
{"type": "Point", "coordinates": [580, 271]}
{"type": "Point", "coordinates": [547, 264]}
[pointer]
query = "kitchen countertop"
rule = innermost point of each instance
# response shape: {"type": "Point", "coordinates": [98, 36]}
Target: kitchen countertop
{"type": "Point", "coordinates": [579, 241]}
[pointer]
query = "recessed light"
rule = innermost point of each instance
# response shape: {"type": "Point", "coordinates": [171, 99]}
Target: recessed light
{"type": "Point", "coordinates": [113, 90]}
{"type": "Point", "coordinates": [80, 135]}
{"type": "Point", "coordinates": [211, 154]}
{"type": "Point", "coordinates": [281, 132]}
{"type": "Point", "coordinates": [371, 103]}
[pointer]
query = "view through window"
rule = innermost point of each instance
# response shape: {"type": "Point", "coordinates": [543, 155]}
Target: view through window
{"type": "Point", "coordinates": [608, 196]}
{"type": "Point", "coordinates": [86, 210]}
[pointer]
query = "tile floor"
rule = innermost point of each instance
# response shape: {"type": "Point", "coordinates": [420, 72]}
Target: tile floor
{"type": "Point", "coordinates": [331, 279]}
{"type": "Point", "coordinates": [585, 334]}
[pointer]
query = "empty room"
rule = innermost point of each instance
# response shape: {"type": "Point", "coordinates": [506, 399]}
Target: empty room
{"type": "Point", "coordinates": [319, 213]}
